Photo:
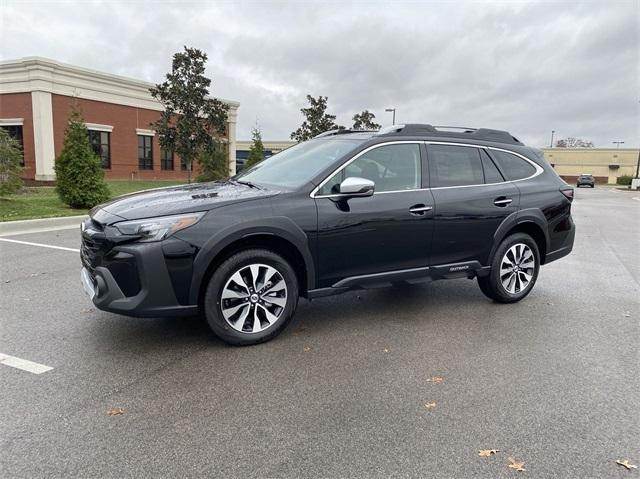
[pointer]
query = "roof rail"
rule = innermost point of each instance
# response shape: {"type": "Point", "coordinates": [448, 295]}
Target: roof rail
{"type": "Point", "coordinates": [484, 134]}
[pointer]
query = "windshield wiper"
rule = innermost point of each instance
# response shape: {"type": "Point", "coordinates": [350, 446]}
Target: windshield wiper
{"type": "Point", "coordinates": [247, 183]}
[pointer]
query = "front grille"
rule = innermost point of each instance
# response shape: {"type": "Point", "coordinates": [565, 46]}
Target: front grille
{"type": "Point", "coordinates": [94, 246]}
{"type": "Point", "coordinates": [97, 250]}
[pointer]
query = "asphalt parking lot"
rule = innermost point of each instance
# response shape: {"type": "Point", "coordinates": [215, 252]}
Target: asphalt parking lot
{"type": "Point", "coordinates": [348, 389]}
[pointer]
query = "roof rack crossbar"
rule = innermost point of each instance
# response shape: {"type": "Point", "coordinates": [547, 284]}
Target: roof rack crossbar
{"type": "Point", "coordinates": [342, 131]}
{"type": "Point", "coordinates": [464, 128]}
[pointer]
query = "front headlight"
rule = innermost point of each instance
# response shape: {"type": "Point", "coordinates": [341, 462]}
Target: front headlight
{"type": "Point", "coordinates": [157, 229]}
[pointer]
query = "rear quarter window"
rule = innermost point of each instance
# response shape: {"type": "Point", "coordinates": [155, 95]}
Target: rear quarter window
{"type": "Point", "coordinates": [514, 167]}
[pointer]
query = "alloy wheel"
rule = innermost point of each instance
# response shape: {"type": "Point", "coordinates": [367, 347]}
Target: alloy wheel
{"type": "Point", "coordinates": [254, 298]}
{"type": "Point", "coordinates": [517, 268]}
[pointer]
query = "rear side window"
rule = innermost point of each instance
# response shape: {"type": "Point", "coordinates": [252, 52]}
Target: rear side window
{"type": "Point", "coordinates": [491, 173]}
{"type": "Point", "coordinates": [454, 166]}
{"type": "Point", "coordinates": [514, 167]}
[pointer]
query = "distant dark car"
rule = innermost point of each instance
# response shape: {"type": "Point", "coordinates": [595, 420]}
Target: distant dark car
{"type": "Point", "coordinates": [586, 180]}
{"type": "Point", "coordinates": [343, 211]}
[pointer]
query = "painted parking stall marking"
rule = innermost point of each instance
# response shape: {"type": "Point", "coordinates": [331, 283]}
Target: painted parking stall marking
{"type": "Point", "coordinates": [29, 243]}
{"type": "Point", "coordinates": [24, 364]}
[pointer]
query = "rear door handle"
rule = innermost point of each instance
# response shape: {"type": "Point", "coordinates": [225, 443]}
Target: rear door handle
{"type": "Point", "coordinates": [502, 201]}
{"type": "Point", "coordinates": [419, 209]}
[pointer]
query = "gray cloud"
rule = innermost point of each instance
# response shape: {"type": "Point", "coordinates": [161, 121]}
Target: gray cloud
{"type": "Point", "coordinates": [526, 67]}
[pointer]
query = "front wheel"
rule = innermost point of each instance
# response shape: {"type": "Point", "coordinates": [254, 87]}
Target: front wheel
{"type": "Point", "coordinates": [251, 297]}
{"type": "Point", "coordinates": [514, 269]}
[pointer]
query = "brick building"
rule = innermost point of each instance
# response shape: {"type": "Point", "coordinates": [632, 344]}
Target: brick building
{"type": "Point", "coordinates": [35, 100]}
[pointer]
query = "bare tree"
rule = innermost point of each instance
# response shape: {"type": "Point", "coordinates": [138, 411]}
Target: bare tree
{"type": "Point", "coordinates": [572, 142]}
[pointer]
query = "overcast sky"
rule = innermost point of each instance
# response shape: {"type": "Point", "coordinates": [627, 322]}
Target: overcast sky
{"type": "Point", "coordinates": [527, 67]}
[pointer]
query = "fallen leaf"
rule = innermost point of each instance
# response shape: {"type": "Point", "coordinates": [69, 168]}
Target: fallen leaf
{"type": "Point", "coordinates": [430, 405]}
{"type": "Point", "coordinates": [299, 331]}
{"type": "Point", "coordinates": [487, 452]}
{"type": "Point", "coordinates": [518, 466]}
{"type": "Point", "coordinates": [386, 350]}
{"type": "Point", "coordinates": [307, 349]}
{"type": "Point", "coordinates": [435, 380]}
{"type": "Point", "coordinates": [116, 411]}
{"type": "Point", "coordinates": [626, 464]}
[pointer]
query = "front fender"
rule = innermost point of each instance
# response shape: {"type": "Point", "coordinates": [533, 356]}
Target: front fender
{"type": "Point", "coordinates": [280, 226]}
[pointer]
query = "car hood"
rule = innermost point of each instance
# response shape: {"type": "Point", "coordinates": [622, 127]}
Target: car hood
{"type": "Point", "coordinates": [176, 200]}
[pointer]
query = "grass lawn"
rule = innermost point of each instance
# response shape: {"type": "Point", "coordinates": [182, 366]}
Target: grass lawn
{"type": "Point", "coordinates": [43, 202]}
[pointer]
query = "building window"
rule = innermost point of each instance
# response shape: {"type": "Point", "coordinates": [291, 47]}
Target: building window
{"type": "Point", "coordinates": [15, 132]}
{"type": "Point", "coordinates": [183, 165]}
{"type": "Point", "coordinates": [145, 152]}
{"type": "Point", "coordinates": [166, 159]}
{"type": "Point", "coordinates": [101, 145]}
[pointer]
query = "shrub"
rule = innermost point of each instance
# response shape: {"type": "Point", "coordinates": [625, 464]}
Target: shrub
{"type": "Point", "coordinates": [213, 162]}
{"type": "Point", "coordinates": [256, 153]}
{"type": "Point", "coordinates": [79, 175]}
{"type": "Point", "coordinates": [10, 168]}
{"type": "Point", "coordinates": [624, 180]}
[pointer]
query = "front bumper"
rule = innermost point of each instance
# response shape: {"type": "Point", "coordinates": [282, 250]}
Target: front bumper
{"type": "Point", "coordinates": [155, 296]}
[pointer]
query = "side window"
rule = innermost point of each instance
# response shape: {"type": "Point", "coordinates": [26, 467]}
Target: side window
{"type": "Point", "coordinates": [491, 173]}
{"type": "Point", "coordinates": [390, 167]}
{"type": "Point", "coordinates": [454, 166]}
{"type": "Point", "coordinates": [514, 167]}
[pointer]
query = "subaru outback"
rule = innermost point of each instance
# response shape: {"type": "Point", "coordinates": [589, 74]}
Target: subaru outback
{"type": "Point", "coordinates": [343, 211]}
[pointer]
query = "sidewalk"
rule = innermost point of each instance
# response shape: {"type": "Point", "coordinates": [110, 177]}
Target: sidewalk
{"type": "Point", "coordinates": [10, 228]}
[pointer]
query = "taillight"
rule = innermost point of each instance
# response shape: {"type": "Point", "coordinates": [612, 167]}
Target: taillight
{"type": "Point", "coordinates": [568, 192]}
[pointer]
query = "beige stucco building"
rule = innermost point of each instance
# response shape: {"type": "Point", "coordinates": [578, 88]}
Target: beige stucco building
{"type": "Point", "coordinates": [605, 164]}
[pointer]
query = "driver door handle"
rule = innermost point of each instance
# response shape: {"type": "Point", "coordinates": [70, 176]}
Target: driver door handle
{"type": "Point", "coordinates": [502, 201]}
{"type": "Point", "coordinates": [419, 209]}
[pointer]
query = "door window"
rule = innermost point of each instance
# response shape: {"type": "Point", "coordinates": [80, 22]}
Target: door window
{"type": "Point", "coordinates": [514, 167]}
{"type": "Point", "coordinates": [491, 173]}
{"type": "Point", "coordinates": [390, 167]}
{"type": "Point", "coordinates": [454, 166]}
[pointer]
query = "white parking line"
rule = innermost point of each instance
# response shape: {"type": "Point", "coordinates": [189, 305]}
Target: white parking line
{"type": "Point", "coordinates": [40, 244]}
{"type": "Point", "coordinates": [29, 366]}
{"type": "Point", "coordinates": [637, 198]}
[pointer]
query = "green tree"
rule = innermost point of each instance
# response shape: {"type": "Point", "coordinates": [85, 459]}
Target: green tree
{"type": "Point", "coordinates": [79, 175]}
{"type": "Point", "coordinates": [213, 162]}
{"type": "Point", "coordinates": [256, 153]}
{"type": "Point", "coordinates": [316, 121]}
{"type": "Point", "coordinates": [190, 118]}
{"type": "Point", "coordinates": [364, 121]}
{"type": "Point", "coordinates": [10, 168]}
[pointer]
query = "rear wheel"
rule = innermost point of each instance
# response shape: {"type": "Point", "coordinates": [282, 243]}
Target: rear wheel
{"type": "Point", "coordinates": [251, 297]}
{"type": "Point", "coordinates": [514, 269]}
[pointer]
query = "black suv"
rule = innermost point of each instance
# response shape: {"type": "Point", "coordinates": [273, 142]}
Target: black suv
{"type": "Point", "coordinates": [344, 210]}
{"type": "Point", "coordinates": [585, 179]}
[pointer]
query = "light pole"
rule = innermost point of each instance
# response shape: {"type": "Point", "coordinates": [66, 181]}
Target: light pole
{"type": "Point", "coordinates": [617, 143]}
{"type": "Point", "coordinates": [394, 114]}
{"type": "Point", "coordinates": [552, 133]}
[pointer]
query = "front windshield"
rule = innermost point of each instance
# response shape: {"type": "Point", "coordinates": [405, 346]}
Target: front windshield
{"type": "Point", "coordinates": [297, 165]}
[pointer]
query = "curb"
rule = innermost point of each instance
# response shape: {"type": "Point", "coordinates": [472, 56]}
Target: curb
{"type": "Point", "coordinates": [10, 228]}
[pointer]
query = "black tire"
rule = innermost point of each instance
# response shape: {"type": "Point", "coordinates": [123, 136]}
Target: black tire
{"type": "Point", "coordinates": [492, 286]}
{"type": "Point", "coordinates": [213, 297]}
{"type": "Point", "coordinates": [593, 186]}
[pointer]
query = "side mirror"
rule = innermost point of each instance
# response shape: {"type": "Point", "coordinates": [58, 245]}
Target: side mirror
{"type": "Point", "coordinates": [354, 186]}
